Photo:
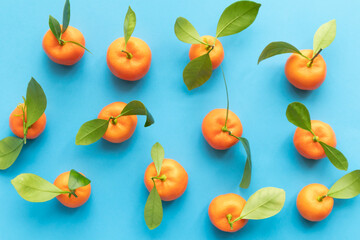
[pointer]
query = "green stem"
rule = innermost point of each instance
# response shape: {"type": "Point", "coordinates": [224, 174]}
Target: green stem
{"type": "Point", "coordinates": [24, 124]}
{"type": "Point", "coordinates": [237, 219]}
{"type": "Point", "coordinates": [71, 192]}
{"type": "Point", "coordinates": [229, 216]}
{"type": "Point", "coordinates": [114, 119]}
{"type": "Point", "coordinates": [320, 198]}
{"type": "Point", "coordinates": [227, 98]}
{"type": "Point", "coordinates": [208, 46]}
{"type": "Point", "coordinates": [309, 64]}
{"type": "Point", "coordinates": [315, 138]}
{"type": "Point", "coordinates": [162, 177]}
{"type": "Point", "coordinates": [128, 54]}
{"type": "Point", "coordinates": [63, 42]}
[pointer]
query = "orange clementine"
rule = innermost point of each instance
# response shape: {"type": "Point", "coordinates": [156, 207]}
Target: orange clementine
{"type": "Point", "coordinates": [212, 129]}
{"type": "Point", "coordinates": [216, 55]}
{"type": "Point", "coordinates": [310, 204]}
{"type": "Point", "coordinates": [17, 127]}
{"type": "Point", "coordinates": [174, 184]}
{"type": "Point", "coordinates": [303, 76]}
{"type": "Point", "coordinates": [223, 205]}
{"type": "Point", "coordinates": [68, 53]}
{"type": "Point", "coordinates": [306, 144]}
{"type": "Point", "coordinates": [82, 193]}
{"type": "Point", "coordinates": [125, 67]}
{"type": "Point", "coordinates": [120, 129]}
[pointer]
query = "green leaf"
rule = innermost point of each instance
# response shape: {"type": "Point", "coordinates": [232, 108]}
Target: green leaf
{"type": "Point", "coordinates": [346, 187]}
{"type": "Point", "coordinates": [91, 131]}
{"type": "Point", "coordinates": [237, 17]}
{"type": "Point", "coordinates": [157, 155]}
{"type": "Point", "coordinates": [138, 108]}
{"type": "Point", "coordinates": [276, 48]}
{"type": "Point", "coordinates": [264, 203]}
{"type": "Point", "coordinates": [10, 149]}
{"type": "Point", "coordinates": [66, 16]}
{"type": "Point", "coordinates": [246, 178]}
{"type": "Point", "coordinates": [186, 32]}
{"type": "Point", "coordinates": [77, 180]}
{"type": "Point", "coordinates": [129, 24]}
{"type": "Point", "coordinates": [35, 102]}
{"type": "Point", "coordinates": [298, 115]}
{"type": "Point", "coordinates": [55, 27]}
{"type": "Point", "coordinates": [33, 188]}
{"type": "Point", "coordinates": [197, 72]}
{"type": "Point", "coordinates": [335, 156]}
{"type": "Point", "coordinates": [324, 36]}
{"type": "Point", "coordinates": [153, 212]}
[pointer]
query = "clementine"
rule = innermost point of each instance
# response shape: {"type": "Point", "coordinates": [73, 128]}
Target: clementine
{"type": "Point", "coordinates": [82, 193]}
{"type": "Point", "coordinates": [130, 64]}
{"type": "Point", "coordinates": [120, 129]}
{"type": "Point", "coordinates": [213, 129]}
{"type": "Point", "coordinates": [64, 53]}
{"type": "Point", "coordinates": [216, 54]}
{"type": "Point", "coordinates": [173, 182]}
{"type": "Point", "coordinates": [303, 75]}
{"type": "Point", "coordinates": [227, 206]}
{"type": "Point", "coordinates": [17, 125]}
{"type": "Point", "coordinates": [308, 146]}
{"type": "Point", "coordinates": [312, 204]}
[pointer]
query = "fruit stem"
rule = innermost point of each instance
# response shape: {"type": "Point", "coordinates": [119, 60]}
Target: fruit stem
{"type": "Point", "coordinates": [24, 124]}
{"type": "Point", "coordinates": [128, 54]}
{"type": "Point", "coordinates": [316, 139]}
{"type": "Point", "coordinates": [162, 177]}
{"type": "Point", "coordinates": [309, 64]}
{"type": "Point", "coordinates": [61, 42]}
{"type": "Point", "coordinates": [72, 192]}
{"type": "Point", "coordinates": [113, 120]}
{"type": "Point", "coordinates": [227, 99]}
{"type": "Point", "coordinates": [229, 216]}
{"type": "Point", "coordinates": [320, 198]}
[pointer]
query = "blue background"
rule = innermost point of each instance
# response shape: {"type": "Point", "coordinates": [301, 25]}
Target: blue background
{"type": "Point", "coordinates": [259, 95]}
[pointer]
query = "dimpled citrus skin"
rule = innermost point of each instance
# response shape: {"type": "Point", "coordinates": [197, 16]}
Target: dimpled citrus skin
{"type": "Point", "coordinates": [67, 54]}
{"type": "Point", "coordinates": [305, 145]}
{"type": "Point", "coordinates": [302, 76]}
{"type": "Point", "coordinates": [124, 127]}
{"type": "Point", "coordinates": [82, 193]}
{"type": "Point", "coordinates": [212, 129]}
{"type": "Point", "coordinates": [216, 55]}
{"type": "Point", "coordinates": [223, 205]}
{"type": "Point", "coordinates": [17, 126]}
{"type": "Point", "coordinates": [176, 179]}
{"type": "Point", "coordinates": [129, 69]}
{"type": "Point", "coordinates": [308, 205]}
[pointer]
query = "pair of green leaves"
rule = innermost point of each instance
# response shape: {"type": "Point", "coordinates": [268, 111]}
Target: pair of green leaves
{"type": "Point", "coordinates": [34, 105]}
{"type": "Point", "coordinates": [33, 188]}
{"type": "Point", "coordinates": [153, 212]}
{"type": "Point", "coordinates": [55, 25]}
{"type": "Point", "coordinates": [323, 37]}
{"type": "Point", "coordinates": [264, 203]}
{"type": "Point", "coordinates": [299, 115]}
{"type": "Point", "coordinates": [235, 18]}
{"type": "Point", "coordinates": [93, 130]}
{"type": "Point", "coordinates": [56, 28]}
{"type": "Point", "coordinates": [346, 187]}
